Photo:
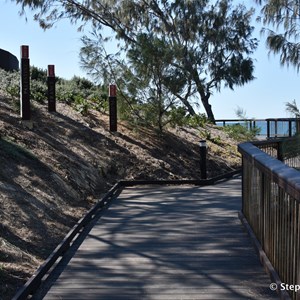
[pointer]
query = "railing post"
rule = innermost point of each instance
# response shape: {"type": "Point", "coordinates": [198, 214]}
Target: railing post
{"type": "Point", "coordinates": [203, 151]}
{"type": "Point", "coordinates": [297, 128]}
{"type": "Point", "coordinates": [262, 210]}
{"type": "Point", "coordinates": [280, 151]}
{"type": "Point", "coordinates": [243, 184]}
{"type": "Point", "coordinates": [290, 128]}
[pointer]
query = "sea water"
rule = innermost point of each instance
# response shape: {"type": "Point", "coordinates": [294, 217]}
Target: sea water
{"type": "Point", "coordinates": [279, 128]}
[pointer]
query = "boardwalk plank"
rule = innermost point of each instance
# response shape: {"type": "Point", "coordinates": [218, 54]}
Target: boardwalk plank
{"type": "Point", "coordinates": [166, 243]}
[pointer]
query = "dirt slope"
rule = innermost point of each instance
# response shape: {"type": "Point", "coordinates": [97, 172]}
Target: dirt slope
{"type": "Point", "coordinates": [52, 173]}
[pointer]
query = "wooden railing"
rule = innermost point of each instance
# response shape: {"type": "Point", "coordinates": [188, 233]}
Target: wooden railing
{"type": "Point", "coordinates": [270, 128]}
{"type": "Point", "coordinates": [286, 150]}
{"type": "Point", "coordinates": [271, 206]}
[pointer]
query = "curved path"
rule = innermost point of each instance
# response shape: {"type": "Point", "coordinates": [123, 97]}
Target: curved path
{"type": "Point", "coordinates": [166, 242]}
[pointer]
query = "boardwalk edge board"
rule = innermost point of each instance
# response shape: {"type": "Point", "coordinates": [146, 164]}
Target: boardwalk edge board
{"type": "Point", "coordinates": [31, 286]}
{"type": "Point", "coordinates": [35, 281]}
{"type": "Point", "coordinates": [210, 181]}
{"type": "Point", "coordinates": [283, 294]}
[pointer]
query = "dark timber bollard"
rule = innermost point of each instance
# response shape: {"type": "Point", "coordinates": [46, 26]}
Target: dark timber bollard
{"type": "Point", "coordinates": [113, 108]}
{"type": "Point", "coordinates": [25, 84]}
{"type": "Point", "coordinates": [51, 89]}
{"type": "Point", "coordinates": [203, 151]}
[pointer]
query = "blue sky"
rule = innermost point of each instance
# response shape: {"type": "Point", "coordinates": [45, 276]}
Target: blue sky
{"type": "Point", "coordinates": [265, 97]}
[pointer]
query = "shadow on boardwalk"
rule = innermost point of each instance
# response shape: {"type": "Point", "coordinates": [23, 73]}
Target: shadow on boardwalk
{"type": "Point", "coordinates": [166, 243]}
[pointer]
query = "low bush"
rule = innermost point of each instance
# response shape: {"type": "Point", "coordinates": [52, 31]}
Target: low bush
{"type": "Point", "coordinates": [240, 132]}
{"type": "Point", "coordinates": [179, 117]}
{"type": "Point", "coordinates": [10, 84]}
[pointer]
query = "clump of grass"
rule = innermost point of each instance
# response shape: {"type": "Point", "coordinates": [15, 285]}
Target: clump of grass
{"type": "Point", "coordinates": [17, 152]}
{"type": "Point", "coordinates": [241, 133]}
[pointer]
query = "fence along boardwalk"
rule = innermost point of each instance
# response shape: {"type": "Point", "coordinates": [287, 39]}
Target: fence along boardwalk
{"type": "Point", "coordinates": [166, 242]}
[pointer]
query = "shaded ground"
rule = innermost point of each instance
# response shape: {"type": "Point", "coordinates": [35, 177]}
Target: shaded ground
{"type": "Point", "coordinates": [52, 173]}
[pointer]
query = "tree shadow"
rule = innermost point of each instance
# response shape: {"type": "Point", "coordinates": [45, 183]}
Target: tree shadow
{"type": "Point", "coordinates": [171, 242]}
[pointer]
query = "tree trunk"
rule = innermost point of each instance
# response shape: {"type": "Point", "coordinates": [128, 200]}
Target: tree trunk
{"type": "Point", "coordinates": [187, 105]}
{"type": "Point", "coordinates": [189, 108]}
{"type": "Point", "coordinates": [204, 99]}
{"type": "Point", "coordinates": [204, 96]}
{"type": "Point", "coordinates": [208, 109]}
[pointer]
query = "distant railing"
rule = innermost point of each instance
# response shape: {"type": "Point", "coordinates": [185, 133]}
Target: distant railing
{"type": "Point", "coordinates": [271, 205]}
{"type": "Point", "coordinates": [269, 128]}
{"type": "Point", "coordinates": [286, 150]}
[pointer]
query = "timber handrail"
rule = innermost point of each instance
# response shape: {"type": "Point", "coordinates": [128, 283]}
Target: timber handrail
{"type": "Point", "coordinates": [271, 206]}
{"type": "Point", "coordinates": [286, 177]}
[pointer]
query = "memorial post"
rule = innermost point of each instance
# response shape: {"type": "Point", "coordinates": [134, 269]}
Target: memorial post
{"type": "Point", "coordinates": [25, 84]}
{"type": "Point", "coordinates": [113, 127]}
{"type": "Point", "coordinates": [51, 89]}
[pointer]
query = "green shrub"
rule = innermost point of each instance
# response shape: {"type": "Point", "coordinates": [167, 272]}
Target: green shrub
{"type": "Point", "coordinates": [178, 116]}
{"type": "Point", "coordinates": [217, 140]}
{"type": "Point", "coordinates": [98, 100]}
{"type": "Point", "coordinates": [38, 74]}
{"type": "Point", "coordinates": [241, 132]}
{"type": "Point", "coordinates": [81, 105]}
{"type": "Point", "coordinates": [197, 120]}
{"type": "Point", "coordinates": [38, 91]}
{"type": "Point", "coordinates": [82, 94]}
{"type": "Point", "coordinates": [82, 84]}
{"type": "Point", "coordinates": [10, 84]}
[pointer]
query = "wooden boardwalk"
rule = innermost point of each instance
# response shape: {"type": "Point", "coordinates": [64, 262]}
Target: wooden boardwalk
{"type": "Point", "coordinates": [166, 242]}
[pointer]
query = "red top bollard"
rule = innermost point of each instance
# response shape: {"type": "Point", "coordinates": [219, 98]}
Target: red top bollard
{"type": "Point", "coordinates": [25, 110]}
{"type": "Point", "coordinates": [112, 90]}
{"type": "Point", "coordinates": [51, 89]}
{"type": "Point", "coordinates": [51, 72]}
{"type": "Point", "coordinates": [113, 119]}
{"type": "Point", "coordinates": [24, 51]}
